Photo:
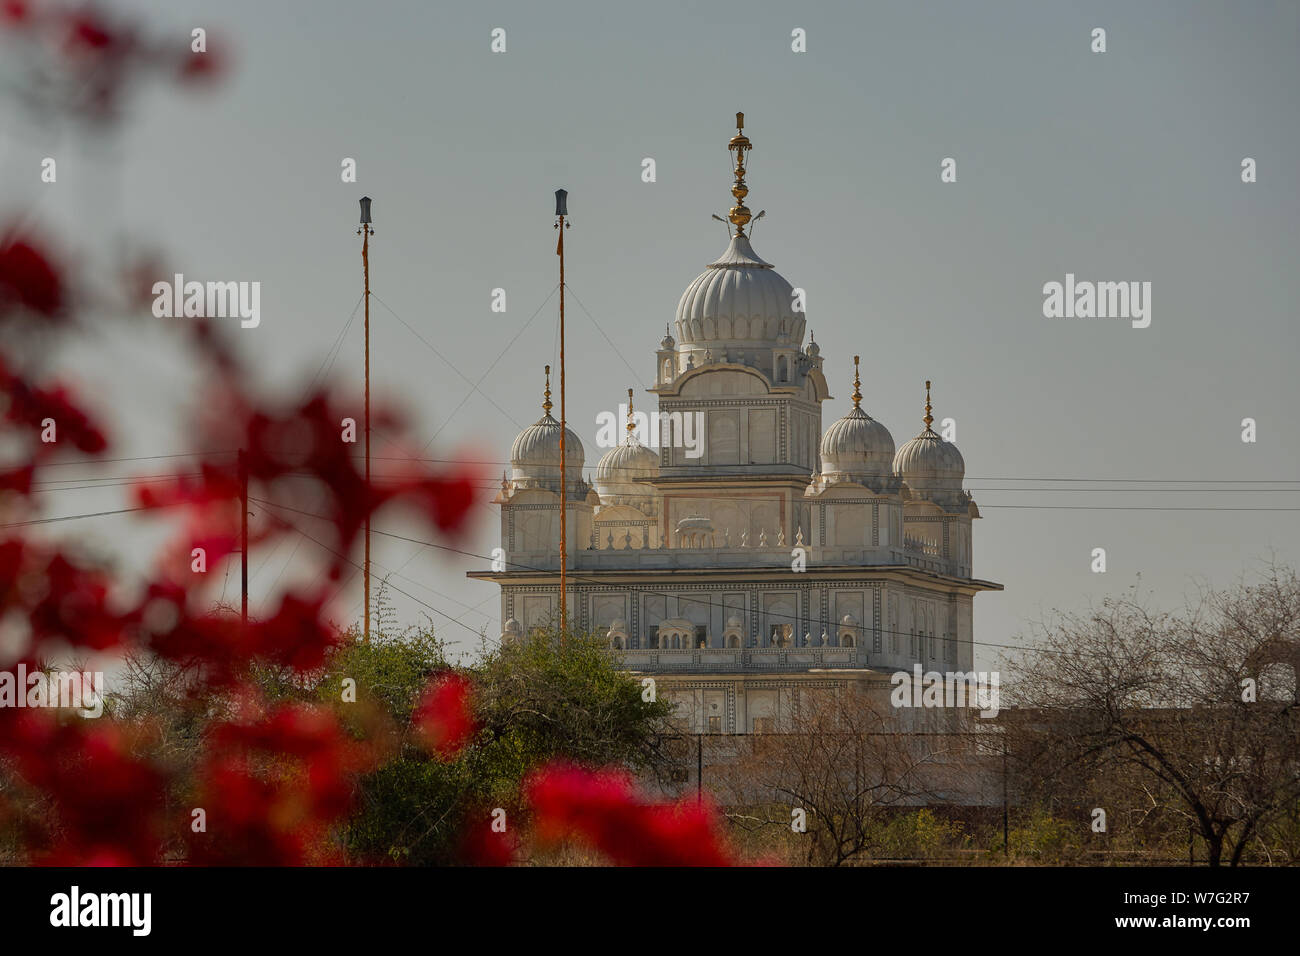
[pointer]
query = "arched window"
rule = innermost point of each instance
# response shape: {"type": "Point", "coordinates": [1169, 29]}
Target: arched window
{"type": "Point", "coordinates": [846, 639]}
{"type": "Point", "coordinates": [782, 369]}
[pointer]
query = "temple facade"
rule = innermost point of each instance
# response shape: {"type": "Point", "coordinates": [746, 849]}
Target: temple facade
{"type": "Point", "coordinates": [750, 554]}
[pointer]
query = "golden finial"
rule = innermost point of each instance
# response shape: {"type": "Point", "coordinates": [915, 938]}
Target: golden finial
{"type": "Point", "coordinates": [630, 426]}
{"type": "Point", "coordinates": [546, 405]}
{"type": "Point", "coordinates": [928, 417]}
{"type": "Point", "coordinates": [739, 144]}
{"type": "Point", "coordinates": [857, 385]}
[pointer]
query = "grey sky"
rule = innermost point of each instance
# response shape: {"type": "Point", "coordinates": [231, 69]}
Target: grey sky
{"type": "Point", "coordinates": [1115, 166]}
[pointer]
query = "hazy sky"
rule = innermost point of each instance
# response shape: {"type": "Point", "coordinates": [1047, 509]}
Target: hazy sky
{"type": "Point", "coordinates": [1116, 166]}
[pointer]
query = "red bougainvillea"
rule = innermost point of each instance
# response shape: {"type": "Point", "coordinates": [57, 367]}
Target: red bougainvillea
{"type": "Point", "coordinates": [271, 788]}
{"type": "Point", "coordinates": [28, 279]}
{"type": "Point", "coordinates": [272, 782]}
{"type": "Point", "coordinates": [109, 802]}
{"type": "Point", "coordinates": [444, 716]}
{"type": "Point", "coordinates": [603, 809]}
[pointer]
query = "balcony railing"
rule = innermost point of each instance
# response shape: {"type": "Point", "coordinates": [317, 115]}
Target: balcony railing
{"type": "Point", "coordinates": [734, 659]}
{"type": "Point", "coordinates": [633, 559]}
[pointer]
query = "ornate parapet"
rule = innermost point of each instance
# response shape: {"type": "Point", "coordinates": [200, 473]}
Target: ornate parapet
{"type": "Point", "coordinates": [719, 660]}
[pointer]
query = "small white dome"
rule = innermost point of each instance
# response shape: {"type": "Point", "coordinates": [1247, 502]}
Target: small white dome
{"type": "Point", "coordinates": [535, 455]}
{"type": "Point", "coordinates": [857, 448]}
{"type": "Point", "coordinates": [932, 468]}
{"type": "Point", "coordinates": [620, 467]}
{"type": "Point", "coordinates": [930, 465]}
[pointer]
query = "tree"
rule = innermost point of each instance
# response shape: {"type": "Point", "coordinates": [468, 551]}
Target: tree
{"type": "Point", "coordinates": [553, 697]}
{"type": "Point", "coordinates": [1161, 714]}
{"type": "Point", "coordinates": [853, 764]}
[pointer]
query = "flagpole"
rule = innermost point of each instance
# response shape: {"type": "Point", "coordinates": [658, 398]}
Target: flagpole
{"type": "Point", "coordinates": [561, 211]}
{"type": "Point", "coordinates": [365, 231]}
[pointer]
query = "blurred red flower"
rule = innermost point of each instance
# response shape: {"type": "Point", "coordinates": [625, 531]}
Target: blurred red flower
{"type": "Point", "coordinates": [603, 809]}
{"type": "Point", "coordinates": [15, 13]}
{"type": "Point", "coordinates": [28, 278]}
{"type": "Point", "coordinates": [444, 716]}
{"type": "Point", "coordinates": [105, 801]}
{"type": "Point", "coordinates": [485, 846]}
{"type": "Point", "coordinates": [34, 407]}
{"type": "Point", "coordinates": [272, 788]}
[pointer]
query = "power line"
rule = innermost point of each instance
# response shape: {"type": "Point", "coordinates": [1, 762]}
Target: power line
{"type": "Point", "coordinates": [487, 461]}
{"type": "Point", "coordinates": [85, 484]}
{"type": "Point", "coordinates": [332, 355]}
{"type": "Point", "coordinates": [652, 591]}
{"type": "Point", "coordinates": [96, 514]}
{"type": "Point", "coordinates": [105, 461]}
{"type": "Point", "coordinates": [345, 558]}
{"type": "Point", "coordinates": [1134, 508]}
{"type": "Point", "coordinates": [389, 571]}
{"type": "Point", "coordinates": [108, 481]}
{"type": "Point", "coordinates": [636, 376]}
{"type": "Point", "coordinates": [492, 485]}
{"type": "Point", "coordinates": [450, 364]}
{"type": "Point", "coordinates": [488, 370]}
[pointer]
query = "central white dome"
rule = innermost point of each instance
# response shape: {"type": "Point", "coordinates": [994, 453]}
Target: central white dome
{"type": "Point", "coordinates": [738, 302]}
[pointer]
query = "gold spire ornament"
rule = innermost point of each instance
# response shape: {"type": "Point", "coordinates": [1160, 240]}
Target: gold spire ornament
{"type": "Point", "coordinates": [928, 417]}
{"type": "Point", "coordinates": [631, 426]}
{"type": "Point", "coordinates": [546, 404]}
{"type": "Point", "coordinates": [739, 144]}
{"type": "Point", "coordinates": [857, 385]}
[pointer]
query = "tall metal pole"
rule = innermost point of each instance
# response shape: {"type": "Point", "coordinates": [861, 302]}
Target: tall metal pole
{"type": "Point", "coordinates": [243, 536]}
{"type": "Point", "coordinates": [1005, 807]}
{"type": "Point", "coordinates": [365, 231]}
{"type": "Point", "coordinates": [699, 768]}
{"type": "Point", "coordinates": [561, 211]}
